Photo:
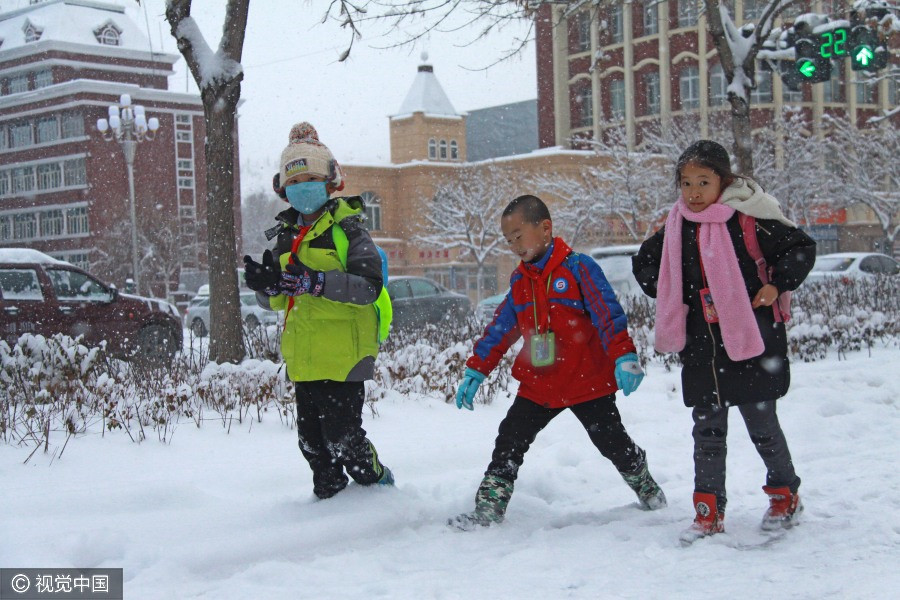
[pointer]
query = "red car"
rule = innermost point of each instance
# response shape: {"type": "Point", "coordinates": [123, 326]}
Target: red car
{"type": "Point", "coordinates": [42, 295]}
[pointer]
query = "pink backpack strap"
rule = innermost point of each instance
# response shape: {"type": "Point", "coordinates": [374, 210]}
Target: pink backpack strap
{"type": "Point", "coordinates": [782, 305]}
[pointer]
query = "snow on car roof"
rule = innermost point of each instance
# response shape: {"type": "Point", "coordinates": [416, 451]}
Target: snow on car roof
{"type": "Point", "coordinates": [27, 255]}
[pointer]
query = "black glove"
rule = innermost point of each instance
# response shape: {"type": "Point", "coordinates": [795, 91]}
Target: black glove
{"type": "Point", "coordinates": [262, 277]}
{"type": "Point", "coordinates": [297, 279]}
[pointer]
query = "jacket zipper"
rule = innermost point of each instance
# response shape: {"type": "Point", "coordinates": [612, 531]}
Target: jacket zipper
{"type": "Point", "coordinates": [715, 376]}
{"type": "Point", "coordinates": [712, 336]}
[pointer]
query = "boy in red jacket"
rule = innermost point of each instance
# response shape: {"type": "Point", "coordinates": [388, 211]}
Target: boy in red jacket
{"type": "Point", "coordinates": [577, 353]}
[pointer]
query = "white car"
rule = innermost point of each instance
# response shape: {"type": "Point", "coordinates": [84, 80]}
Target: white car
{"type": "Point", "coordinates": [616, 264]}
{"type": "Point", "coordinates": [852, 265]}
{"type": "Point", "coordinates": [196, 318]}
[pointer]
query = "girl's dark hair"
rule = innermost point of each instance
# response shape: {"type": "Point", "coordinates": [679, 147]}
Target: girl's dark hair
{"type": "Point", "coordinates": [532, 208]}
{"type": "Point", "coordinates": [709, 154]}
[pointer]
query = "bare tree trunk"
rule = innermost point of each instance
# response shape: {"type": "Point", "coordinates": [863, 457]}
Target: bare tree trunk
{"type": "Point", "coordinates": [226, 342]}
{"type": "Point", "coordinates": [743, 134]}
{"type": "Point", "coordinates": [740, 107]}
{"type": "Point", "coordinates": [220, 92]}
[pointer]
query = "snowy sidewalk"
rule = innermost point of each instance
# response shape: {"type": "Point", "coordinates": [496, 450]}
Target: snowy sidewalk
{"type": "Point", "coordinates": [233, 516]}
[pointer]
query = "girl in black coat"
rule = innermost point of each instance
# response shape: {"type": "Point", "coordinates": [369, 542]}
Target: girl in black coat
{"type": "Point", "coordinates": [719, 316]}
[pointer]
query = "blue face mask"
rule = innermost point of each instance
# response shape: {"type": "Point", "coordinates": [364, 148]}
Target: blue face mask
{"type": "Point", "coordinates": [307, 197]}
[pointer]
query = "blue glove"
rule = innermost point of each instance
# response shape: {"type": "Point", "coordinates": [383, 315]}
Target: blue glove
{"type": "Point", "coordinates": [298, 279]}
{"type": "Point", "coordinates": [628, 372]}
{"type": "Point", "coordinates": [467, 389]}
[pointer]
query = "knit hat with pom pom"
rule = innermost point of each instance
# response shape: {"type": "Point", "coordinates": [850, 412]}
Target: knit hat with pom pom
{"type": "Point", "coordinates": [305, 154]}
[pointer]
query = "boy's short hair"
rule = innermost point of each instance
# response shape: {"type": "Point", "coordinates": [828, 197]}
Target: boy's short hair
{"type": "Point", "coordinates": [532, 208]}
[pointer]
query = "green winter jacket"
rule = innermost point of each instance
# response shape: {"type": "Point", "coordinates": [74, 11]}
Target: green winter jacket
{"type": "Point", "coordinates": [333, 336]}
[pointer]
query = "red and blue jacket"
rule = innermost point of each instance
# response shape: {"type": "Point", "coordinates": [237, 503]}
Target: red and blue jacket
{"type": "Point", "coordinates": [581, 310]}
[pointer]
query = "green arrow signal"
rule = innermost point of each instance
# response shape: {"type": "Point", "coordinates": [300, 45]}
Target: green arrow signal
{"type": "Point", "coordinates": [807, 68]}
{"type": "Point", "coordinates": [864, 56]}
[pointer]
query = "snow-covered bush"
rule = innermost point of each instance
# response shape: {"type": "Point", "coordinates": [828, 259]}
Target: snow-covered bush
{"type": "Point", "coordinates": [431, 362]}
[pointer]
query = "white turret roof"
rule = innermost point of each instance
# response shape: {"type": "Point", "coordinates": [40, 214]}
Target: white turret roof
{"type": "Point", "coordinates": [71, 21]}
{"type": "Point", "coordinates": [426, 95]}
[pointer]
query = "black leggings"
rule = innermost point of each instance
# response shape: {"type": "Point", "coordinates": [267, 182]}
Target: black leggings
{"type": "Point", "coordinates": [526, 419]}
{"type": "Point", "coordinates": [710, 448]}
{"type": "Point", "coordinates": [331, 436]}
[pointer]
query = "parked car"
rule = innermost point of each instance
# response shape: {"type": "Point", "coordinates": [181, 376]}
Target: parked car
{"type": "Point", "coordinates": [852, 265]}
{"type": "Point", "coordinates": [417, 301]}
{"type": "Point", "coordinates": [487, 306]}
{"type": "Point", "coordinates": [42, 295]}
{"type": "Point", "coordinates": [616, 264]}
{"type": "Point", "coordinates": [196, 318]}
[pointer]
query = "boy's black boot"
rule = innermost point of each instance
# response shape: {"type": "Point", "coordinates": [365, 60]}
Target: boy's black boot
{"type": "Point", "coordinates": [648, 491]}
{"type": "Point", "coordinates": [491, 501]}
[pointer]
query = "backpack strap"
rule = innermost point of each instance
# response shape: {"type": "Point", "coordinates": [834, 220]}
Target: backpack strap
{"type": "Point", "coordinates": [383, 308]}
{"type": "Point", "coordinates": [782, 305]}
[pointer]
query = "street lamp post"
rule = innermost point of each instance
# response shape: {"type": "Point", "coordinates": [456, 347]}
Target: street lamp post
{"type": "Point", "coordinates": [129, 125]}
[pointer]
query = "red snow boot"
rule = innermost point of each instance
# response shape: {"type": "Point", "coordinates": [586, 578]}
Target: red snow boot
{"type": "Point", "coordinates": [784, 509]}
{"type": "Point", "coordinates": [709, 520]}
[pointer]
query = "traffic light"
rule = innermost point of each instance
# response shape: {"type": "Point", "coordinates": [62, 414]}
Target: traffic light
{"type": "Point", "coordinates": [866, 54]}
{"type": "Point", "coordinates": [810, 65]}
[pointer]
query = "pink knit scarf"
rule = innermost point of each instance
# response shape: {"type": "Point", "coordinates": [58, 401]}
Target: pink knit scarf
{"type": "Point", "coordinates": [740, 333]}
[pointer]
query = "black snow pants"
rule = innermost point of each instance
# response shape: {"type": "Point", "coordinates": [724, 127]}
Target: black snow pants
{"type": "Point", "coordinates": [710, 448]}
{"type": "Point", "coordinates": [526, 419]}
{"type": "Point", "coordinates": [331, 436]}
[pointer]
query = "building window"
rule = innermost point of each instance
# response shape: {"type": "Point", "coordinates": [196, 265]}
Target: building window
{"type": "Point", "coordinates": [32, 33]}
{"type": "Point", "coordinates": [753, 9]}
{"type": "Point", "coordinates": [183, 119]}
{"type": "Point", "coordinates": [762, 93]}
{"type": "Point", "coordinates": [109, 36]}
{"type": "Point", "coordinates": [20, 135]}
{"type": "Point", "coordinates": [5, 229]}
{"type": "Point", "coordinates": [687, 13]}
{"type": "Point", "coordinates": [616, 28]}
{"type": "Point", "coordinates": [22, 180]}
{"type": "Point", "coordinates": [617, 98]}
{"type": "Point", "coordinates": [865, 93]}
{"type": "Point", "coordinates": [790, 96]}
{"type": "Point", "coordinates": [183, 136]}
{"type": "Point", "coordinates": [43, 78]}
{"type": "Point", "coordinates": [49, 176]}
{"type": "Point", "coordinates": [186, 183]}
{"type": "Point", "coordinates": [24, 226]}
{"type": "Point", "coordinates": [4, 140]}
{"type": "Point", "coordinates": [72, 125]}
{"type": "Point", "coordinates": [77, 220]}
{"type": "Point", "coordinates": [833, 90]}
{"type": "Point", "coordinates": [47, 130]}
{"type": "Point", "coordinates": [4, 183]}
{"type": "Point", "coordinates": [17, 84]}
{"type": "Point", "coordinates": [373, 210]}
{"type": "Point", "coordinates": [651, 18]}
{"type": "Point", "coordinates": [651, 92]}
{"type": "Point", "coordinates": [689, 88]}
{"type": "Point", "coordinates": [443, 149]}
{"type": "Point", "coordinates": [585, 100]}
{"type": "Point", "coordinates": [432, 148]}
{"type": "Point", "coordinates": [52, 223]}
{"type": "Point", "coordinates": [74, 171]}
{"type": "Point", "coordinates": [718, 86]}
{"type": "Point", "coordinates": [583, 30]}
{"type": "Point", "coordinates": [454, 150]}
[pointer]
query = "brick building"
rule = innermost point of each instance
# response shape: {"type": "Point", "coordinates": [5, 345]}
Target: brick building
{"type": "Point", "coordinates": [657, 64]}
{"type": "Point", "coordinates": [63, 189]}
{"type": "Point", "coordinates": [429, 145]}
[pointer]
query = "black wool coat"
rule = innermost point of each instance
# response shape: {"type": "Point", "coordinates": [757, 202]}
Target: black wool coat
{"type": "Point", "coordinates": [709, 377]}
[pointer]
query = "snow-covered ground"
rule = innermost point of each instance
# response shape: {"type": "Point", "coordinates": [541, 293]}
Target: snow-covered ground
{"type": "Point", "coordinates": [232, 516]}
